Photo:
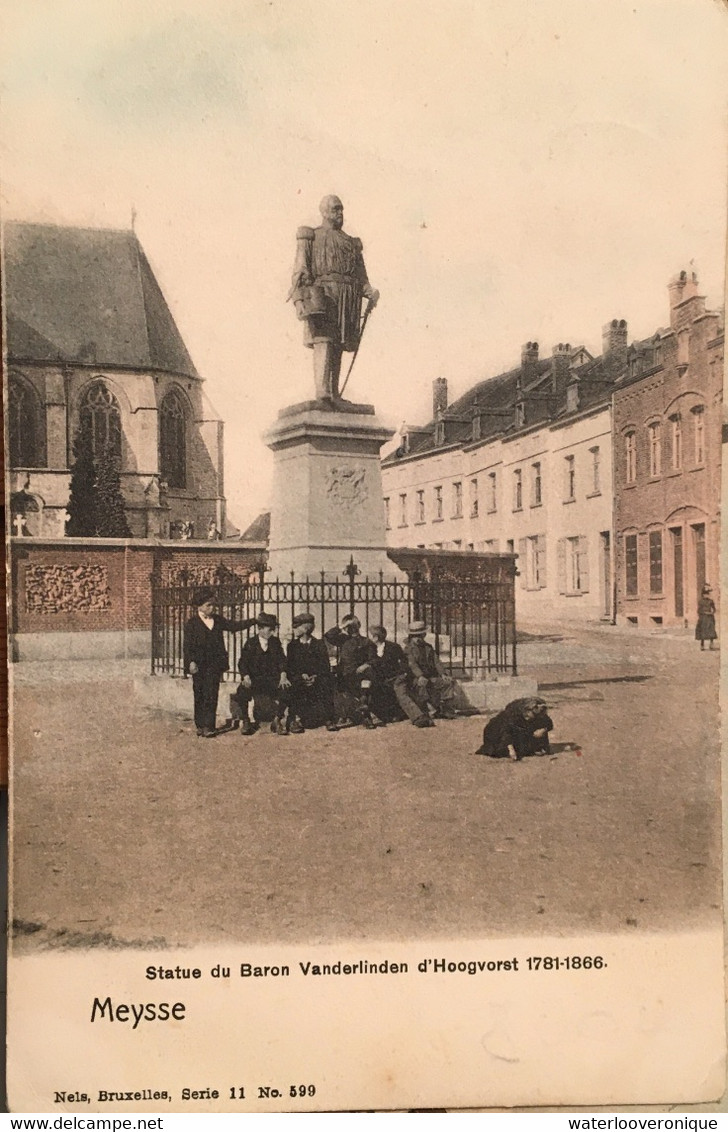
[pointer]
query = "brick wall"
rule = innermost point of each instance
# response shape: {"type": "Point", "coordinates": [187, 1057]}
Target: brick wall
{"type": "Point", "coordinates": [683, 498]}
{"type": "Point", "coordinates": [104, 585]}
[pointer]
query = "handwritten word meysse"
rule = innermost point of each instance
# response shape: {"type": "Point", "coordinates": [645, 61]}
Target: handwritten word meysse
{"type": "Point", "coordinates": [136, 1012]}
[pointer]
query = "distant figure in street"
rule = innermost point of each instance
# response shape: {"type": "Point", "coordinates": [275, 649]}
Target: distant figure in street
{"type": "Point", "coordinates": [206, 658]}
{"type": "Point", "coordinates": [262, 667]}
{"type": "Point", "coordinates": [705, 628]}
{"type": "Point", "coordinates": [426, 681]}
{"type": "Point", "coordinates": [356, 674]}
{"type": "Point", "coordinates": [213, 534]}
{"type": "Point", "coordinates": [312, 684]}
{"type": "Point", "coordinates": [522, 728]}
{"type": "Point", "coordinates": [389, 664]}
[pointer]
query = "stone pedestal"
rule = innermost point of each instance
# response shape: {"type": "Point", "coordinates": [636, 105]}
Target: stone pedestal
{"type": "Point", "coordinates": [327, 492]}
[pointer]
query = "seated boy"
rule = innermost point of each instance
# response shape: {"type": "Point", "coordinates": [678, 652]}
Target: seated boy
{"type": "Point", "coordinates": [426, 683]}
{"type": "Point", "coordinates": [389, 664]}
{"type": "Point", "coordinates": [355, 671]}
{"type": "Point", "coordinates": [309, 671]}
{"type": "Point", "coordinates": [262, 666]}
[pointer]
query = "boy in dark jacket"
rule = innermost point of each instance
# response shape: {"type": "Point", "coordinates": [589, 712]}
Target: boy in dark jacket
{"type": "Point", "coordinates": [262, 667]}
{"type": "Point", "coordinates": [389, 665]}
{"type": "Point", "coordinates": [309, 671]}
{"type": "Point", "coordinates": [355, 670]}
{"type": "Point", "coordinates": [206, 658]}
{"type": "Point", "coordinates": [522, 728]}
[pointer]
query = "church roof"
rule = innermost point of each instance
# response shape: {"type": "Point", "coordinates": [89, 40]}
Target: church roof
{"type": "Point", "coordinates": [87, 296]}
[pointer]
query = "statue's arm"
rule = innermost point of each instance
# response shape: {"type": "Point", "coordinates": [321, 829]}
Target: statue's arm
{"type": "Point", "coordinates": [302, 268]}
{"type": "Point", "coordinates": [368, 291]}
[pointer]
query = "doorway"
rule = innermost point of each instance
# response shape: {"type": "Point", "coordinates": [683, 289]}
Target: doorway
{"type": "Point", "coordinates": [605, 550]}
{"type": "Point", "coordinates": [676, 536]}
{"type": "Point", "coordinates": [698, 530]}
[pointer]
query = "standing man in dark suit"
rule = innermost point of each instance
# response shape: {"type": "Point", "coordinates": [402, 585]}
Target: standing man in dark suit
{"type": "Point", "coordinates": [309, 670]}
{"type": "Point", "coordinates": [206, 658]}
{"type": "Point", "coordinates": [262, 667]}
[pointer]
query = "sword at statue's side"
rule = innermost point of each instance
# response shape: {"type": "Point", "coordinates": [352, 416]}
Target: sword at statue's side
{"type": "Point", "coordinates": [367, 312]}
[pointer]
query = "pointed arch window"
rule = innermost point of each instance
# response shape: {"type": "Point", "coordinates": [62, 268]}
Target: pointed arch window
{"type": "Point", "coordinates": [101, 420]}
{"type": "Point", "coordinates": [173, 440]}
{"type": "Point", "coordinates": [25, 426]}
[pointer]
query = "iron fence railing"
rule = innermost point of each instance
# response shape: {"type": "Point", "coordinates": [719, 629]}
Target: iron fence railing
{"type": "Point", "coordinates": [471, 622]}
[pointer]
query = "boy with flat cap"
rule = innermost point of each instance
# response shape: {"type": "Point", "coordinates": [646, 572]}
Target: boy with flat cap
{"type": "Point", "coordinates": [262, 667]}
{"type": "Point", "coordinates": [206, 658]}
{"type": "Point", "coordinates": [309, 671]}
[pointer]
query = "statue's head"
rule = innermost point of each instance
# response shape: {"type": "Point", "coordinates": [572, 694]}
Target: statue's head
{"type": "Point", "coordinates": [332, 210]}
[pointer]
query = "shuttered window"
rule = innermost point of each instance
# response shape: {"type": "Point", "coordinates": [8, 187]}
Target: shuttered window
{"type": "Point", "coordinates": [573, 565]}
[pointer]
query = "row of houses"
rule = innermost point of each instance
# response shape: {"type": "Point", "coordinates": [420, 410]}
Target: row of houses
{"type": "Point", "coordinates": [601, 473]}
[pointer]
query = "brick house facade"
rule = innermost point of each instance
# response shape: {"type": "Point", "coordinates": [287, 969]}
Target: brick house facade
{"type": "Point", "coordinates": [667, 416]}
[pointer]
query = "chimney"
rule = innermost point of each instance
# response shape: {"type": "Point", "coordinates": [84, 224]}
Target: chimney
{"type": "Point", "coordinates": [529, 361]}
{"type": "Point", "coordinates": [614, 343]}
{"type": "Point", "coordinates": [560, 362]}
{"type": "Point", "coordinates": [439, 396]}
{"type": "Point", "coordinates": [685, 302]}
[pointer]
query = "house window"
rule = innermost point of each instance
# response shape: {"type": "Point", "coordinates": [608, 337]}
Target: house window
{"type": "Point", "coordinates": [533, 549]}
{"type": "Point", "coordinates": [596, 470]}
{"type": "Point", "coordinates": [474, 499]}
{"type": "Point", "coordinates": [517, 489]}
{"type": "Point", "coordinates": [630, 451]}
{"type": "Point", "coordinates": [101, 420]}
{"type": "Point", "coordinates": [630, 565]}
{"type": "Point", "coordinates": [683, 347]}
{"type": "Point", "coordinates": [573, 561]}
{"type": "Point", "coordinates": [387, 514]}
{"type": "Point", "coordinates": [655, 562]}
{"type": "Point", "coordinates": [457, 500]}
{"type": "Point", "coordinates": [438, 502]}
{"type": "Point", "coordinates": [440, 434]}
{"type": "Point", "coordinates": [654, 443]}
{"type": "Point", "coordinates": [403, 509]}
{"type": "Point", "coordinates": [570, 481]}
{"type": "Point", "coordinates": [475, 427]}
{"type": "Point", "coordinates": [25, 426]}
{"type": "Point", "coordinates": [420, 506]}
{"type": "Point", "coordinates": [492, 492]}
{"type": "Point", "coordinates": [699, 436]}
{"type": "Point", "coordinates": [657, 355]}
{"type": "Point", "coordinates": [173, 441]}
{"type": "Point", "coordinates": [520, 414]}
{"type": "Point", "coordinates": [535, 485]}
{"type": "Point", "coordinates": [676, 442]}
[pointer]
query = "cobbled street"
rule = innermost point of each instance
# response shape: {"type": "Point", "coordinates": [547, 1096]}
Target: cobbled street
{"type": "Point", "coordinates": [130, 831]}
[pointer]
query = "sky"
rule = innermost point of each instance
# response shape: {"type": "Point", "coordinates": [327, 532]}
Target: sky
{"type": "Point", "coordinates": [517, 170]}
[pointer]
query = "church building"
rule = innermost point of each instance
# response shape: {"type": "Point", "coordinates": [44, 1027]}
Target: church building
{"type": "Point", "coordinates": [93, 348]}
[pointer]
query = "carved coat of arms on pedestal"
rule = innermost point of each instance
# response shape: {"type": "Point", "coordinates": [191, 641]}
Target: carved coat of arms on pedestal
{"type": "Point", "coordinates": [346, 485]}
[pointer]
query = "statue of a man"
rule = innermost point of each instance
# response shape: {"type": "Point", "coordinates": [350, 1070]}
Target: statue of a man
{"type": "Point", "coordinates": [329, 283]}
